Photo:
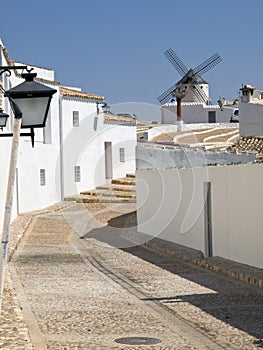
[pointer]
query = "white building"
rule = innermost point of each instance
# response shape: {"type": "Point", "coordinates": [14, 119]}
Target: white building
{"type": "Point", "coordinates": [251, 112]}
{"type": "Point", "coordinates": [196, 112]}
{"type": "Point", "coordinates": [79, 148]}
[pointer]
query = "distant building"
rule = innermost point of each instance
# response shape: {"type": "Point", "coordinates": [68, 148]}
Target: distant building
{"type": "Point", "coordinates": [197, 112]}
{"type": "Point", "coordinates": [251, 111]}
{"type": "Point", "coordinates": [250, 122]}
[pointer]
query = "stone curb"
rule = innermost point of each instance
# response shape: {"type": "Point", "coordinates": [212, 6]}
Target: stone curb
{"type": "Point", "coordinates": [241, 276]}
{"type": "Point", "coordinates": [241, 272]}
{"type": "Point", "coordinates": [237, 272]}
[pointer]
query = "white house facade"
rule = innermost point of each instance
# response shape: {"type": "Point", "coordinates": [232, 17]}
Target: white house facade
{"type": "Point", "coordinates": [96, 146]}
{"type": "Point", "coordinates": [251, 112]}
{"type": "Point", "coordinates": [69, 153]}
{"type": "Point", "coordinates": [196, 112]}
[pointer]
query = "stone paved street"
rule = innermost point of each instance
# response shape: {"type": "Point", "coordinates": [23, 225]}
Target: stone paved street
{"type": "Point", "coordinates": [82, 285]}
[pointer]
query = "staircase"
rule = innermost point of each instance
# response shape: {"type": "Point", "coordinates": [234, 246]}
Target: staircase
{"type": "Point", "coordinates": [118, 191]}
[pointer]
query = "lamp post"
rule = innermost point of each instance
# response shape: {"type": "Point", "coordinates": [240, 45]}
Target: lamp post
{"type": "Point", "coordinates": [30, 102]}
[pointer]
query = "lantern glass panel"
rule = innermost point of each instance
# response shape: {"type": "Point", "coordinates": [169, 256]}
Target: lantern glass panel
{"type": "Point", "coordinates": [34, 111]}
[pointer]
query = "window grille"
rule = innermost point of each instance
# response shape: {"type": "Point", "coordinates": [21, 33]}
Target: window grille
{"type": "Point", "coordinates": [77, 173]}
{"type": "Point", "coordinates": [42, 177]}
{"type": "Point", "coordinates": [122, 154]}
{"type": "Point", "coordinates": [75, 118]}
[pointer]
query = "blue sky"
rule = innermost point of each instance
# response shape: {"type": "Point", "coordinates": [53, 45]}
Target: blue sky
{"type": "Point", "coordinates": [115, 48]}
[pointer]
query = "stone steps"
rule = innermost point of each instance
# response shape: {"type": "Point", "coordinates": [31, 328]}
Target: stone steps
{"type": "Point", "coordinates": [118, 191]}
{"type": "Point", "coordinates": [94, 199]}
{"type": "Point", "coordinates": [124, 181]}
{"type": "Point", "coordinates": [109, 193]}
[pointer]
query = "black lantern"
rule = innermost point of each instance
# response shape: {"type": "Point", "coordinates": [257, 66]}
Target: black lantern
{"type": "Point", "coordinates": [3, 118]}
{"type": "Point", "coordinates": [105, 108]}
{"type": "Point", "coordinates": [32, 99]}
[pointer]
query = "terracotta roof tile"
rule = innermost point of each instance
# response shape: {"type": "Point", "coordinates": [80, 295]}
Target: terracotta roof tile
{"type": "Point", "coordinates": [249, 144]}
{"type": "Point", "coordinates": [79, 94]}
{"type": "Point", "coordinates": [63, 90]}
{"type": "Point", "coordinates": [112, 118]}
{"type": "Point", "coordinates": [12, 63]}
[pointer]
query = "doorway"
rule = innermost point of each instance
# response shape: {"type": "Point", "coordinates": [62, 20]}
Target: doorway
{"type": "Point", "coordinates": [108, 160]}
{"type": "Point", "coordinates": [212, 117]}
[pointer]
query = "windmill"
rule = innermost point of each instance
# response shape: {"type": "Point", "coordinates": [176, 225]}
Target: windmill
{"type": "Point", "coordinates": [191, 87]}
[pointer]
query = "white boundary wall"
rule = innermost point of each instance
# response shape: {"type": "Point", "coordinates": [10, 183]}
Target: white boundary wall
{"type": "Point", "coordinates": [195, 113]}
{"type": "Point", "coordinates": [171, 206]}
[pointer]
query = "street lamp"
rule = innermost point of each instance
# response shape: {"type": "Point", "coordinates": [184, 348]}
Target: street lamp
{"type": "Point", "coordinates": [104, 106]}
{"type": "Point", "coordinates": [33, 99]}
{"type": "Point", "coordinates": [30, 102]}
{"type": "Point", "coordinates": [3, 119]}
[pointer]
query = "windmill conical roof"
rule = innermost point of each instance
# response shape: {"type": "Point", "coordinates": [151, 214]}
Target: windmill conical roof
{"type": "Point", "coordinates": [191, 77]}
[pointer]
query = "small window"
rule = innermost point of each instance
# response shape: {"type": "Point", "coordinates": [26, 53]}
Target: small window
{"type": "Point", "coordinates": [77, 173]}
{"type": "Point", "coordinates": [122, 154]}
{"type": "Point", "coordinates": [75, 118]}
{"type": "Point", "coordinates": [42, 177]}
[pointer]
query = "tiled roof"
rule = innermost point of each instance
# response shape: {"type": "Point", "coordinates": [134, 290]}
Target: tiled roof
{"type": "Point", "coordinates": [117, 119]}
{"type": "Point", "coordinates": [79, 94]}
{"type": "Point", "coordinates": [249, 144]}
{"type": "Point", "coordinates": [12, 63]}
{"type": "Point", "coordinates": [63, 90]}
{"type": "Point", "coordinates": [8, 60]}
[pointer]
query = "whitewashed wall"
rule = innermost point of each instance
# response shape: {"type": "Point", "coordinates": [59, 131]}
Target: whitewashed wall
{"type": "Point", "coordinates": [191, 96]}
{"type": "Point", "coordinates": [84, 146]}
{"type": "Point", "coordinates": [59, 147]}
{"type": "Point", "coordinates": [251, 119]}
{"type": "Point", "coordinates": [194, 113]}
{"type": "Point", "coordinates": [29, 195]}
{"type": "Point", "coordinates": [171, 201]}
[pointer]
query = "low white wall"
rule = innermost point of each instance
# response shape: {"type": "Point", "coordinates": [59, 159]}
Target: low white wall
{"type": "Point", "coordinates": [171, 206]}
{"type": "Point", "coordinates": [194, 113]}
{"type": "Point", "coordinates": [168, 208]}
{"type": "Point", "coordinates": [237, 213]}
{"type": "Point", "coordinates": [158, 130]}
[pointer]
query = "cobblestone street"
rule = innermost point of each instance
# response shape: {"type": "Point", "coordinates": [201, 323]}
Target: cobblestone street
{"type": "Point", "coordinates": [82, 285]}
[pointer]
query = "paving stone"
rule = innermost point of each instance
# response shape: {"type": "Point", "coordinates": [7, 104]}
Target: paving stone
{"type": "Point", "coordinates": [75, 306]}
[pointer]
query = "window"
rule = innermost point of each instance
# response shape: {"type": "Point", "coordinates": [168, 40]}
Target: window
{"type": "Point", "coordinates": [75, 118]}
{"type": "Point", "coordinates": [42, 177]}
{"type": "Point", "coordinates": [77, 173]}
{"type": "Point", "coordinates": [122, 154]}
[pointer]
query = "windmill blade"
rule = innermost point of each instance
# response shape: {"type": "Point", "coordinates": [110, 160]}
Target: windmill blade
{"type": "Point", "coordinates": [207, 64]}
{"type": "Point", "coordinates": [200, 94]}
{"type": "Point", "coordinates": [167, 95]}
{"type": "Point", "coordinates": [176, 62]}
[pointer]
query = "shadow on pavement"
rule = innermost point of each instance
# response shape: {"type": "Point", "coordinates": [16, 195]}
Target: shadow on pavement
{"type": "Point", "coordinates": [235, 303]}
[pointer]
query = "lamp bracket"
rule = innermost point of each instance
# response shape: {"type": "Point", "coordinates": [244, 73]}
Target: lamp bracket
{"type": "Point", "coordinates": [8, 69]}
{"type": "Point", "coordinates": [31, 134]}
